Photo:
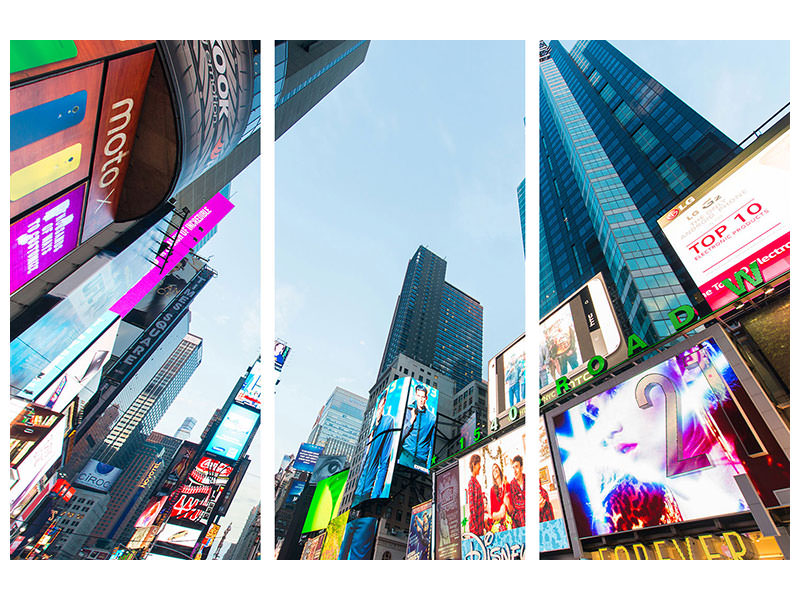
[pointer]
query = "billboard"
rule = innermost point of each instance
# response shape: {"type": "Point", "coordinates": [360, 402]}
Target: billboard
{"type": "Point", "coordinates": [358, 542]}
{"type": "Point", "coordinates": [740, 216]}
{"type": "Point", "coordinates": [380, 452]}
{"type": "Point", "coordinates": [193, 505]}
{"type": "Point", "coordinates": [233, 432]}
{"type": "Point", "coordinates": [307, 456]}
{"type": "Point", "coordinates": [42, 238]}
{"type": "Point", "coordinates": [583, 326]}
{"type": "Point", "coordinates": [552, 526]}
{"type": "Point", "coordinates": [151, 511]}
{"type": "Point", "coordinates": [177, 535]}
{"type": "Point", "coordinates": [419, 427]}
{"type": "Point", "coordinates": [294, 492]}
{"type": "Point", "coordinates": [313, 547]}
{"type": "Point", "coordinates": [97, 476]}
{"type": "Point", "coordinates": [250, 394]}
{"type": "Point", "coordinates": [333, 537]}
{"type": "Point", "coordinates": [281, 353]}
{"type": "Point", "coordinates": [327, 466]}
{"type": "Point", "coordinates": [420, 532]}
{"type": "Point", "coordinates": [506, 381]}
{"type": "Point", "coordinates": [492, 482]}
{"type": "Point", "coordinates": [448, 514]}
{"type": "Point", "coordinates": [325, 502]}
{"type": "Point", "coordinates": [664, 445]}
{"type": "Point", "coordinates": [210, 471]}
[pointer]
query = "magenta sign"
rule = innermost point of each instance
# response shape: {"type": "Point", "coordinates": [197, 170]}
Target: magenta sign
{"type": "Point", "coordinates": [45, 236]}
{"type": "Point", "coordinates": [194, 229]}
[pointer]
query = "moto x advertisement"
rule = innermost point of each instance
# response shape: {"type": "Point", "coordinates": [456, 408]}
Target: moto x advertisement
{"type": "Point", "coordinates": [419, 427]}
{"type": "Point", "coordinates": [665, 445]}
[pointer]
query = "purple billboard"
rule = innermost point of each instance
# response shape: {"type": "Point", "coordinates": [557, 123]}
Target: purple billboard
{"type": "Point", "coordinates": [45, 236]}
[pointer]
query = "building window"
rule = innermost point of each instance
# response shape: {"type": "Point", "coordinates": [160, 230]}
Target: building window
{"type": "Point", "coordinates": [645, 139]}
{"type": "Point", "coordinates": [624, 114]}
{"type": "Point", "coordinates": [674, 175]}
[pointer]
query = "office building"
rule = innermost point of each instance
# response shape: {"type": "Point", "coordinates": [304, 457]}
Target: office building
{"type": "Point", "coordinates": [306, 71]}
{"type": "Point", "coordinates": [435, 323]}
{"type": "Point", "coordinates": [248, 547]}
{"type": "Point", "coordinates": [185, 430]}
{"type": "Point", "coordinates": [521, 203]}
{"type": "Point", "coordinates": [472, 399]}
{"type": "Point", "coordinates": [617, 151]}
{"type": "Point", "coordinates": [339, 423]}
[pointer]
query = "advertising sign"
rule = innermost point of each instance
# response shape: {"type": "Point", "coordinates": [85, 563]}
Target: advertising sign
{"type": "Point", "coordinates": [41, 239]}
{"type": "Point", "coordinates": [313, 547]}
{"type": "Point", "coordinates": [552, 526]}
{"type": "Point", "coordinates": [737, 218]}
{"type": "Point", "coordinates": [233, 432]}
{"type": "Point", "coordinates": [583, 326]}
{"type": "Point", "coordinates": [380, 452]}
{"type": "Point", "coordinates": [325, 502]}
{"type": "Point", "coordinates": [420, 531]}
{"type": "Point", "coordinates": [194, 505]}
{"type": "Point", "coordinates": [210, 471]}
{"type": "Point", "coordinates": [419, 427]}
{"type": "Point", "coordinates": [358, 542]}
{"type": "Point", "coordinates": [506, 383]}
{"type": "Point", "coordinates": [125, 82]}
{"type": "Point", "coordinates": [307, 456]}
{"type": "Point", "coordinates": [327, 466]}
{"type": "Point", "coordinates": [492, 480]}
{"type": "Point", "coordinates": [151, 511]}
{"type": "Point", "coordinates": [333, 537]}
{"type": "Point", "coordinates": [665, 445]}
{"type": "Point", "coordinates": [97, 476]}
{"type": "Point", "coordinates": [37, 436]}
{"type": "Point", "coordinates": [281, 352]}
{"type": "Point", "coordinates": [448, 514]}
{"type": "Point", "coordinates": [185, 537]}
{"type": "Point", "coordinates": [250, 394]}
{"type": "Point", "coordinates": [294, 492]}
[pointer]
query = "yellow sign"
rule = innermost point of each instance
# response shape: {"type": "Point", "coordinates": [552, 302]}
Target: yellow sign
{"type": "Point", "coordinates": [729, 545]}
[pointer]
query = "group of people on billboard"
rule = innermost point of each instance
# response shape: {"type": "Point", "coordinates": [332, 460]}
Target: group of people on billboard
{"type": "Point", "coordinates": [558, 350]}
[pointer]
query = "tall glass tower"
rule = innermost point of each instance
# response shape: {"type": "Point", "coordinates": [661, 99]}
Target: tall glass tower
{"type": "Point", "coordinates": [435, 323]}
{"type": "Point", "coordinates": [617, 150]}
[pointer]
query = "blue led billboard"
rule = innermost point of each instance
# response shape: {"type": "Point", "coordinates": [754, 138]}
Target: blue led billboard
{"type": "Point", "coordinates": [233, 432]}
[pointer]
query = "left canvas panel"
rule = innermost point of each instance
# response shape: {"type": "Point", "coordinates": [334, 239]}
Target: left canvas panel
{"type": "Point", "coordinates": [135, 361]}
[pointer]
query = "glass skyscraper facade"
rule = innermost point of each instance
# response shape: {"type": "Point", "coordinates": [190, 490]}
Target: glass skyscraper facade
{"type": "Point", "coordinates": [339, 423]}
{"type": "Point", "coordinates": [435, 323]}
{"type": "Point", "coordinates": [617, 150]}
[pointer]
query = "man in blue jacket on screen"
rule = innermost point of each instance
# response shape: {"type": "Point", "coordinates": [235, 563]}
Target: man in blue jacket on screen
{"type": "Point", "coordinates": [378, 454]}
{"type": "Point", "coordinates": [420, 424]}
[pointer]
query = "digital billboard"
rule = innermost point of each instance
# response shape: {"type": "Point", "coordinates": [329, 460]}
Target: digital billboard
{"type": "Point", "coordinates": [151, 511]}
{"type": "Point", "coordinates": [419, 427]}
{"type": "Point", "coordinates": [582, 327]}
{"type": "Point", "coordinates": [380, 451]}
{"type": "Point", "coordinates": [42, 238]}
{"type": "Point", "coordinates": [738, 218]}
{"type": "Point", "coordinates": [295, 489]}
{"type": "Point", "coordinates": [325, 502]}
{"type": "Point", "coordinates": [307, 456]}
{"type": "Point", "coordinates": [313, 547]}
{"type": "Point", "coordinates": [552, 526]}
{"type": "Point", "coordinates": [281, 353]}
{"type": "Point", "coordinates": [97, 476]}
{"type": "Point", "coordinates": [210, 471]}
{"type": "Point", "coordinates": [250, 394]}
{"type": "Point", "coordinates": [664, 445]}
{"type": "Point", "coordinates": [194, 505]}
{"type": "Point", "coordinates": [448, 514]}
{"type": "Point", "coordinates": [492, 482]}
{"type": "Point", "coordinates": [358, 542]}
{"type": "Point", "coordinates": [420, 532]}
{"type": "Point", "coordinates": [233, 432]}
{"type": "Point", "coordinates": [328, 465]}
{"type": "Point", "coordinates": [333, 537]}
{"type": "Point", "coordinates": [506, 380]}
{"type": "Point", "coordinates": [178, 535]}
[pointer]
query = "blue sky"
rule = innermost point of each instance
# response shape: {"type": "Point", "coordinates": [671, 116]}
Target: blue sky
{"type": "Point", "coordinates": [422, 144]}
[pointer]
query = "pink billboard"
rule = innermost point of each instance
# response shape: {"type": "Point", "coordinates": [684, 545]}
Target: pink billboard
{"type": "Point", "coordinates": [193, 230]}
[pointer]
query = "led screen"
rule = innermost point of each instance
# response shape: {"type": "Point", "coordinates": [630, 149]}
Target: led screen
{"type": "Point", "coordinates": [492, 481]}
{"type": "Point", "coordinates": [419, 427]}
{"type": "Point", "coordinates": [179, 535]}
{"type": "Point", "coordinates": [327, 466]}
{"type": "Point", "coordinates": [233, 432]}
{"type": "Point", "coordinates": [281, 353]}
{"type": "Point", "coordinates": [733, 221]}
{"type": "Point", "coordinates": [333, 537]}
{"type": "Point", "coordinates": [448, 514]}
{"type": "Point", "coordinates": [294, 492]}
{"type": "Point", "coordinates": [151, 511]}
{"type": "Point", "coordinates": [194, 504]}
{"type": "Point", "coordinates": [210, 471]}
{"type": "Point", "coordinates": [420, 532]}
{"type": "Point", "coordinates": [664, 446]}
{"type": "Point", "coordinates": [506, 385]}
{"type": "Point", "coordinates": [377, 464]}
{"type": "Point", "coordinates": [552, 527]}
{"type": "Point", "coordinates": [250, 394]}
{"type": "Point", "coordinates": [326, 501]}
{"type": "Point", "coordinates": [307, 456]}
{"type": "Point", "coordinates": [313, 547]}
{"type": "Point", "coordinates": [358, 542]}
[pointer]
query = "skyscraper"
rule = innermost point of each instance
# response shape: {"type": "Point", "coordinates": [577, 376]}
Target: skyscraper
{"type": "Point", "coordinates": [617, 150]}
{"type": "Point", "coordinates": [521, 202]}
{"type": "Point", "coordinates": [306, 71]}
{"type": "Point", "coordinates": [435, 323]}
{"type": "Point", "coordinates": [338, 423]}
{"type": "Point", "coordinates": [185, 430]}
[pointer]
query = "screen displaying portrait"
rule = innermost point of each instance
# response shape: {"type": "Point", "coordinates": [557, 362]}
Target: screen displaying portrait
{"type": "Point", "coordinates": [552, 527]}
{"type": "Point", "coordinates": [665, 445]}
{"type": "Point", "coordinates": [492, 492]}
{"type": "Point", "coordinates": [358, 542]}
{"type": "Point", "coordinates": [419, 427]}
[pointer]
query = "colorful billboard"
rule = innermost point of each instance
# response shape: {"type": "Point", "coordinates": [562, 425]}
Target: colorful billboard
{"type": "Point", "coordinates": [333, 537]}
{"type": "Point", "coordinates": [281, 353]}
{"type": "Point", "coordinates": [210, 471]}
{"type": "Point", "coordinates": [295, 489]}
{"type": "Point", "coordinates": [582, 327]}
{"type": "Point", "coordinates": [420, 531]}
{"type": "Point", "coordinates": [380, 452]}
{"type": "Point", "coordinates": [325, 502]}
{"type": "Point", "coordinates": [42, 238]}
{"type": "Point", "coordinates": [358, 542]}
{"type": "Point", "coordinates": [419, 427]}
{"type": "Point", "coordinates": [739, 217]}
{"type": "Point", "coordinates": [665, 445]}
{"type": "Point", "coordinates": [313, 547]}
{"type": "Point", "coordinates": [151, 511]}
{"type": "Point", "coordinates": [307, 456]}
{"type": "Point", "coordinates": [233, 432]}
{"type": "Point", "coordinates": [97, 476]}
{"type": "Point", "coordinates": [506, 381]}
{"type": "Point", "coordinates": [448, 514]}
{"type": "Point", "coordinates": [552, 526]}
{"type": "Point", "coordinates": [250, 394]}
{"type": "Point", "coordinates": [185, 537]}
{"type": "Point", "coordinates": [327, 466]}
{"type": "Point", "coordinates": [492, 480]}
